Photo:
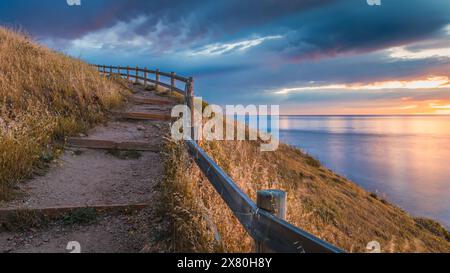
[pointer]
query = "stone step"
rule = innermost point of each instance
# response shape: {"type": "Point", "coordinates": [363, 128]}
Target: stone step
{"type": "Point", "coordinates": [144, 116]}
{"type": "Point", "coordinates": [9, 214]}
{"type": "Point", "coordinates": [141, 100]}
{"type": "Point", "coordinates": [112, 145]}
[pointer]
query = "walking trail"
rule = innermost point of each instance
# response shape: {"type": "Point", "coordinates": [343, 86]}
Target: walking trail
{"type": "Point", "coordinates": [115, 171]}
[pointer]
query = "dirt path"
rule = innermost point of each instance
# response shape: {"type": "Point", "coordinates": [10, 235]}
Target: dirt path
{"type": "Point", "coordinates": [100, 177]}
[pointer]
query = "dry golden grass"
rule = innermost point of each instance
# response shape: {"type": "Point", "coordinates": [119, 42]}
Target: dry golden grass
{"type": "Point", "coordinates": [319, 201]}
{"type": "Point", "coordinates": [44, 96]}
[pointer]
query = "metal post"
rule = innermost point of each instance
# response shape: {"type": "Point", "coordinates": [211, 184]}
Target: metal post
{"type": "Point", "coordinates": [157, 79]}
{"type": "Point", "coordinates": [274, 202]}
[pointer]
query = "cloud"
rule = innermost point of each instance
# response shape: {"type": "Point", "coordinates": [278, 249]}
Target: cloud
{"type": "Point", "coordinates": [427, 83]}
{"type": "Point", "coordinates": [437, 48]}
{"type": "Point", "coordinates": [403, 53]}
{"type": "Point", "coordinates": [311, 28]}
{"type": "Point", "coordinates": [408, 107]}
{"type": "Point", "coordinates": [119, 36]}
{"type": "Point", "coordinates": [237, 50]}
{"type": "Point", "coordinates": [56, 19]}
{"type": "Point", "coordinates": [127, 37]}
{"type": "Point", "coordinates": [350, 27]}
{"type": "Point", "coordinates": [224, 48]}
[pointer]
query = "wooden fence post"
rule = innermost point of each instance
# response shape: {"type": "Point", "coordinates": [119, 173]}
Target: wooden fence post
{"type": "Point", "coordinates": [145, 77]}
{"type": "Point", "coordinates": [274, 202]}
{"type": "Point", "coordinates": [137, 74]}
{"type": "Point", "coordinates": [157, 79]}
{"type": "Point", "coordinates": [128, 72]}
{"type": "Point", "coordinates": [172, 81]}
{"type": "Point", "coordinates": [190, 104]}
{"type": "Point", "coordinates": [110, 71]}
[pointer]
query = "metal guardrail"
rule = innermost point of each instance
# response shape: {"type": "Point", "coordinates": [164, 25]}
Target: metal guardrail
{"type": "Point", "coordinates": [274, 233]}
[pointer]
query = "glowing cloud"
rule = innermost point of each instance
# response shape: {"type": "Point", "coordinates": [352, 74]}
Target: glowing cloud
{"type": "Point", "coordinates": [436, 106]}
{"type": "Point", "coordinates": [408, 107]}
{"type": "Point", "coordinates": [113, 37]}
{"type": "Point", "coordinates": [428, 83]}
{"type": "Point", "coordinates": [403, 53]}
{"type": "Point", "coordinates": [219, 49]}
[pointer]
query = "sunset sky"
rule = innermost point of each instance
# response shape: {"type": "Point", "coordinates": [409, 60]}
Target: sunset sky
{"type": "Point", "coordinates": [311, 57]}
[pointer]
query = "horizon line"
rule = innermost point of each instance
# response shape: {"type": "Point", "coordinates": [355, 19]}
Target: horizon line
{"type": "Point", "coordinates": [361, 115]}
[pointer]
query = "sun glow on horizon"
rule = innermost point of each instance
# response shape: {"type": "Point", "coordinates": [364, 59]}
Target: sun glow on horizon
{"type": "Point", "coordinates": [434, 82]}
{"type": "Point", "coordinates": [407, 105]}
{"type": "Point", "coordinates": [383, 107]}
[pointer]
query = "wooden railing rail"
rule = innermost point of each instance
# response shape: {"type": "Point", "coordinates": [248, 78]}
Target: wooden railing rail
{"type": "Point", "coordinates": [142, 74]}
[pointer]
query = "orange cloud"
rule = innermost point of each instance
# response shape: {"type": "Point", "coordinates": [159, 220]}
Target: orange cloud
{"type": "Point", "coordinates": [433, 82]}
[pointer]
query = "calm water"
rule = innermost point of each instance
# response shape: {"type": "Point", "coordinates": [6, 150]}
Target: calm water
{"type": "Point", "coordinates": [404, 159]}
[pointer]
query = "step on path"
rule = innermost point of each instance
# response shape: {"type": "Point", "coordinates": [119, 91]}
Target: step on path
{"type": "Point", "coordinates": [115, 170]}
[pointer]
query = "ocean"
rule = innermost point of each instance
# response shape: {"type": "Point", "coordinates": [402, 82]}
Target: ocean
{"type": "Point", "coordinates": [404, 159]}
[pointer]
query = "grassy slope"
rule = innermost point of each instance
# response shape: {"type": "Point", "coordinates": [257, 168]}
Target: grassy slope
{"type": "Point", "coordinates": [319, 201]}
{"type": "Point", "coordinates": [44, 96]}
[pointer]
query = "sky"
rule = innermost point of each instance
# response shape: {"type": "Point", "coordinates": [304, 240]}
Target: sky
{"type": "Point", "coordinates": [311, 57]}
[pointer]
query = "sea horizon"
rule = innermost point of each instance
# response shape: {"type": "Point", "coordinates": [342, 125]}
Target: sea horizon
{"type": "Point", "coordinates": [365, 115]}
{"type": "Point", "coordinates": [395, 158]}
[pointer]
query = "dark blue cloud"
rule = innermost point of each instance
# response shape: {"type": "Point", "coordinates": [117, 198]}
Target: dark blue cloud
{"type": "Point", "coordinates": [349, 26]}
{"type": "Point", "coordinates": [56, 18]}
{"type": "Point", "coordinates": [312, 27]}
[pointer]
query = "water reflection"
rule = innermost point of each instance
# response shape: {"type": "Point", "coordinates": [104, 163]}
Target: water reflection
{"type": "Point", "coordinates": [402, 158]}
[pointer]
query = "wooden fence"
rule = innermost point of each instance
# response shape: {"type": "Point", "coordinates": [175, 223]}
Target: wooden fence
{"type": "Point", "coordinates": [264, 221]}
{"type": "Point", "coordinates": [138, 74]}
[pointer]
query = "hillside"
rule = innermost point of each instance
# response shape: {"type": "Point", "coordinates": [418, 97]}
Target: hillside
{"type": "Point", "coordinates": [45, 96]}
{"type": "Point", "coordinates": [319, 201]}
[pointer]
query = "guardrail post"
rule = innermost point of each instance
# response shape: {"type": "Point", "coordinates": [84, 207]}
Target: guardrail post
{"type": "Point", "coordinates": [172, 81]}
{"type": "Point", "coordinates": [137, 74]}
{"type": "Point", "coordinates": [157, 79]}
{"type": "Point", "coordinates": [145, 77]}
{"type": "Point", "coordinates": [274, 202]}
{"type": "Point", "coordinates": [128, 72]}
